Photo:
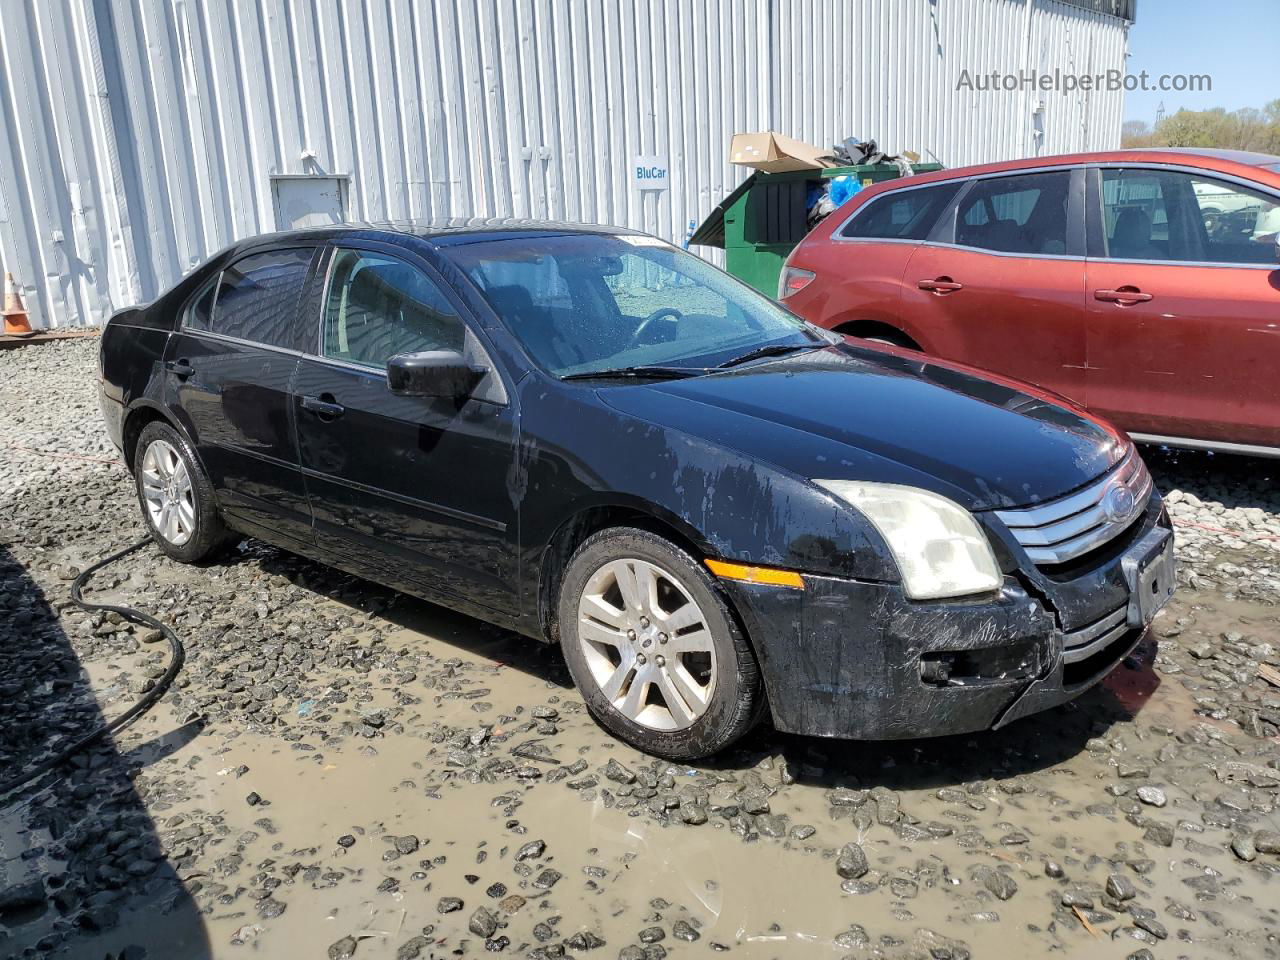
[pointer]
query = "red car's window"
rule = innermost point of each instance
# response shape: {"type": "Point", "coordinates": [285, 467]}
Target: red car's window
{"type": "Point", "coordinates": [1018, 214]}
{"type": "Point", "coordinates": [907, 214]}
{"type": "Point", "coordinates": [1175, 216]}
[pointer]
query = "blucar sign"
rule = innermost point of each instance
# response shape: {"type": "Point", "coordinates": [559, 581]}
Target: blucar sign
{"type": "Point", "coordinates": [650, 173]}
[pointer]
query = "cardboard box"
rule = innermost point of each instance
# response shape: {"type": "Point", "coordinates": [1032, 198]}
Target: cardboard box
{"type": "Point", "coordinates": [773, 153]}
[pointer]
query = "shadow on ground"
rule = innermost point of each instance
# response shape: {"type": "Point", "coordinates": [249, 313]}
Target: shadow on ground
{"type": "Point", "coordinates": [1026, 746]}
{"type": "Point", "coordinates": [1234, 481]}
{"type": "Point", "coordinates": [79, 852]}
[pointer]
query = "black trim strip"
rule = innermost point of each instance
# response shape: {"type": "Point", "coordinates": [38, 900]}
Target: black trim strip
{"type": "Point", "coordinates": [232, 448]}
{"type": "Point", "coordinates": [497, 525]}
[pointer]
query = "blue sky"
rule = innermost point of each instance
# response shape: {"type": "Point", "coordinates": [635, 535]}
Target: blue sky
{"type": "Point", "coordinates": [1236, 42]}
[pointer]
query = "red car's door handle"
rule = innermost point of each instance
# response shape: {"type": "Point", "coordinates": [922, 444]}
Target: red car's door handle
{"type": "Point", "coordinates": [1122, 295]}
{"type": "Point", "coordinates": [940, 285]}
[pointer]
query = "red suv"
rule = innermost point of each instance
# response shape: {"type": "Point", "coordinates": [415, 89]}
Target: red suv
{"type": "Point", "coordinates": [1143, 284]}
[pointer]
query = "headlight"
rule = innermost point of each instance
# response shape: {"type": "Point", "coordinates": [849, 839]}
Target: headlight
{"type": "Point", "coordinates": [939, 548]}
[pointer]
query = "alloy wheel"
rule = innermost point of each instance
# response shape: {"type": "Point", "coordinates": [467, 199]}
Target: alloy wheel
{"type": "Point", "coordinates": [168, 493]}
{"type": "Point", "coordinates": [647, 644]}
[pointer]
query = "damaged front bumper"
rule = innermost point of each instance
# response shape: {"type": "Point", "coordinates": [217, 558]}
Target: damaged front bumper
{"type": "Point", "coordinates": [858, 660]}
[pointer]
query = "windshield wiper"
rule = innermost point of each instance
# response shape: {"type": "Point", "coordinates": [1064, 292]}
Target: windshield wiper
{"type": "Point", "coordinates": [768, 350]}
{"type": "Point", "coordinates": [637, 373]}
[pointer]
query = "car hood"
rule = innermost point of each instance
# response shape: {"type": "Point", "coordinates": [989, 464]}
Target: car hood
{"type": "Point", "coordinates": [848, 412]}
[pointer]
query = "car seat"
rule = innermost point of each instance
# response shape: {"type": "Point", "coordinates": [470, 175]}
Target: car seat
{"type": "Point", "coordinates": [535, 325]}
{"type": "Point", "coordinates": [1131, 238]}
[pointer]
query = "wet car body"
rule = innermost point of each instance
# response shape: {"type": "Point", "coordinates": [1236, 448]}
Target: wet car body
{"type": "Point", "coordinates": [477, 503]}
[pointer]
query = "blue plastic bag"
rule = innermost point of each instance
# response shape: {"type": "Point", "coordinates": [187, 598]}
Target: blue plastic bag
{"type": "Point", "coordinates": [844, 187]}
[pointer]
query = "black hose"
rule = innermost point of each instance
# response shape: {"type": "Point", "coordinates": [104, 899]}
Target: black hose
{"type": "Point", "coordinates": [148, 699]}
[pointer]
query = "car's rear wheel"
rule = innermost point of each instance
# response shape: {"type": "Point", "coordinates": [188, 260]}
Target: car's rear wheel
{"type": "Point", "coordinates": [176, 497]}
{"type": "Point", "coordinates": [654, 648]}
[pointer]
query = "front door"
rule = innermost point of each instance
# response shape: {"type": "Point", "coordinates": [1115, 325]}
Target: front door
{"type": "Point", "coordinates": [229, 369]}
{"type": "Point", "coordinates": [418, 488]}
{"type": "Point", "coordinates": [1005, 289]}
{"type": "Point", "coordinates": [1184, 327]}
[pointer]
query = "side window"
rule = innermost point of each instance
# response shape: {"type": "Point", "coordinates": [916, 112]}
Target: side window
{"type": "Point", "coordinates": [1026, 213]}
{"type": "Point", "coordinates": [258, 297]}
{"type": "Point", "coordinates": [378, 306]}
{"type": "Point", "coordinates": [199, 312]}
{"type": "Point", "coordinates": [1240, 224]}
{"type": "Point", "coordinates": [1136, 206]}
{"type": "Point", "coordinates": [901, 215]}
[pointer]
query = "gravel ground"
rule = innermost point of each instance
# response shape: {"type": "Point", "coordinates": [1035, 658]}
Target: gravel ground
{"type": "Point", "coordinates": [344, 772]}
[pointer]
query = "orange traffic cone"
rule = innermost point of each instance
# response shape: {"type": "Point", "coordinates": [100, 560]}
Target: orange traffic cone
{"type": "Point", "coordinates": [14, 313]}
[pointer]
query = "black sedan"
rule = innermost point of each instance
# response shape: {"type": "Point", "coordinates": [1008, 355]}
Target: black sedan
{"type": "Point", "coordinates": [593, 438]}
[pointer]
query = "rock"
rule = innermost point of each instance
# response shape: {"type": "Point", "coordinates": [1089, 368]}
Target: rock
{"type": "Point", "coordinates": [998, 883]}
{"type": "Point", "coordinates": [405, 845]}
{"type": "Point", "coordinates": [1145, 920]}
{"type": "Point", "coordinates": [23, 896]}
{"type": "Point", "coordinates": [651, 935]}
{"type": "Point", "coordinates": [584, 940]}
{"type": "Point", "coordinates": [771, 825]}
{"type": "Point", "coordinates": [693, 814]}
{"type": "Point", "coordinates": [1267, 841]}
{"type": "Point", "coordinates": [448, 905]}
{"type": "Point", "coordinates": [851, 863]}
{"type": "Point", "coordinates": [1119, 887]}
{"type": "Point", "coordinates": [547, 879]}
{"type": "Point", "coordinates": [483, 922]}
{"type": "Point", "coordinates": [616, 772]}
{"type": "Point", "coordinates": [412, 948]}
{"type": "Point", "coordinates": [1243, 846]}
{"type": "Point", "coordinates": [531, 850]}
{"type": "Point", "coordinates": [1152, 796]}
{"type": "Point", "coordinates": [683, 930]}
{"type": "Point", "coordinates": [343, 949]}
{"type": "Point", "coordinates": [1159, 833]}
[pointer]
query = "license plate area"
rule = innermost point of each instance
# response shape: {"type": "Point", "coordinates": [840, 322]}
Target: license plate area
{"type": "Point", "coordinates": [1149, 569]}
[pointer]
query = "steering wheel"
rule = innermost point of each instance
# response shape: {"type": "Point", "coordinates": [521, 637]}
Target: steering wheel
{"type": "Point", "coordinates": [650, 320]}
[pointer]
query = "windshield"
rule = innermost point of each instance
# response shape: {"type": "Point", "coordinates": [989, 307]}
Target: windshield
{"type": "Point", "coordinates": [582, 303]}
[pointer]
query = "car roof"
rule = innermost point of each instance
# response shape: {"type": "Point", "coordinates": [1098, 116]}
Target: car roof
{"type": "Point", "coordinates": [446, 231]}
{"type": "Point", "coordinates": [1257, 166]}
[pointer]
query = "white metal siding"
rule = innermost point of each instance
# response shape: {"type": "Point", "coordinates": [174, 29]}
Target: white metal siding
{"type": "Point", "coordinates": [139, 136]}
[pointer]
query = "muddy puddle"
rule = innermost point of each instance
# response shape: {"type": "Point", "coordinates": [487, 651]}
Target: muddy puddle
{"type": "Point", "coordinates": [457, 800]}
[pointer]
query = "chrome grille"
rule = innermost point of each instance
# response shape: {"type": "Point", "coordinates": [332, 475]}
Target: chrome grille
{"type": "Point", "coordinates": [1063, 529]}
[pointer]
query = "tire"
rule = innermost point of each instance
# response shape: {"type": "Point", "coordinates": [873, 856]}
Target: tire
{"type": "Point", "coordinates": [166, 472]}
{"type": "Point", "coordinates": [693, 700]}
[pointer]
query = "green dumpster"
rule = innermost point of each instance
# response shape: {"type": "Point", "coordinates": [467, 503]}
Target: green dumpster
{"type": "Point", "coordinates": [760, 222]}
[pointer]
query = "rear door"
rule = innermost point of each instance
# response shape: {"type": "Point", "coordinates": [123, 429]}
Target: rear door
{"type": "Point", "coordinates": [860, 270]}
{"type": "Point", "coordinates": [1184, 325]}
{"type": "Point", "coordinates": [1001, 283]}
{"type": "Point", "coordinates": [418, 487]}
{"type": "Point", "coordinates": [229, 368]}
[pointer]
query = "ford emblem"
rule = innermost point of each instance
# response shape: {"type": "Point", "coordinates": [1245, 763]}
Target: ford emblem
{"type": "Point", "coordinates": [1118, 503]}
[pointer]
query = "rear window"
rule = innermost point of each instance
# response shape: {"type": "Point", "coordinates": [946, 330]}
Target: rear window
{"type": "Point", "coordinates": [907, 214]}
{"type": "Point", "coordinates": [257, 298]}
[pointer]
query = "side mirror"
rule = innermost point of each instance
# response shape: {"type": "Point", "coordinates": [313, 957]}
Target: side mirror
{"type": "Point", "coordinates": [435, 373]}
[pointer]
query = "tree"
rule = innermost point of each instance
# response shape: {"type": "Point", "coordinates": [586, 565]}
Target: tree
{"type": "Point", "coordinates": [1246, 129]}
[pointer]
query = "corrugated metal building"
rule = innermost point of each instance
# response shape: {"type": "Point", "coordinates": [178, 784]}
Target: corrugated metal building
{"type": "Point", "coordinates": [139, 136]}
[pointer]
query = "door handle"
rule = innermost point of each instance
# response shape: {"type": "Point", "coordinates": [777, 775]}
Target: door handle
{"type": "Point", "coordinates": [940, 285]}
{"type": "Point", "coordinates": [325, 409]}
{"type": "Point", "coordinates": [1122, 295]}
{"type": "Point", "coordinates": [180, 368]}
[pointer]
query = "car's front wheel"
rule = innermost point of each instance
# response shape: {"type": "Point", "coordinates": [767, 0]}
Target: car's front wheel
{"type": "Point", "coordinates": [176, 497]}
{"type": "Point", "coordinates": [653, 647]}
